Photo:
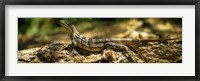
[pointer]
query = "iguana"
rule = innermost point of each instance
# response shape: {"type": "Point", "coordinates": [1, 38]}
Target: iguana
{"type": "Point", "coordinates": [91, 44]}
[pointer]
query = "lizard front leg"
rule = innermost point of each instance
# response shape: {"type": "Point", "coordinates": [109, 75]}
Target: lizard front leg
{"type": "Point", "coordinates": [129, 54]}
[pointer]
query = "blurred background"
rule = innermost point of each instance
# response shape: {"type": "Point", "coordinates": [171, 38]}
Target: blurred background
{"type": "Point", "coordinates": [34, 32]}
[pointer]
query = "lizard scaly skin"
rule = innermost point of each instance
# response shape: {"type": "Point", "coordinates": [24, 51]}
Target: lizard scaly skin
{"type": "Point", "coordinates": [90, 44]}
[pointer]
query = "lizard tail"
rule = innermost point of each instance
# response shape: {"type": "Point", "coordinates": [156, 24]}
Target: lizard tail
{"type": "Point", "coordinates": [154, 40]}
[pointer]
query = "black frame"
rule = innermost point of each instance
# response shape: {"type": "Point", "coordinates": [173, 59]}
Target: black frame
{"type": "Point", "coordinates": [99, 2]}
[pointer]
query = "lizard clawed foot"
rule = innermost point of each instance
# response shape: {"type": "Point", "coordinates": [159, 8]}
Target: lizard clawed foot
{"type": "Point", "coordinates": [130, 54]}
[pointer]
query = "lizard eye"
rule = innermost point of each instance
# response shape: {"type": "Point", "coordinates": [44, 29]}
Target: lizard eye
{"type": "Point", "coordinates": [69, 24]}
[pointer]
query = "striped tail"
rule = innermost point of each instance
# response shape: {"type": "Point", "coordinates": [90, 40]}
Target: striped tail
{"type": "Point", "coordinates": [153, 40]}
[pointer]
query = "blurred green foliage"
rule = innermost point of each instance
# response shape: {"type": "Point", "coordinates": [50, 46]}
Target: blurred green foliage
{"type": "Point", "coordinates": [46, 26]}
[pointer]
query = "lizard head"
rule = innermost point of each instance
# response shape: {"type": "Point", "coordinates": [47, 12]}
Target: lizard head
{"type": "Point", "coordinates": [70, 27]}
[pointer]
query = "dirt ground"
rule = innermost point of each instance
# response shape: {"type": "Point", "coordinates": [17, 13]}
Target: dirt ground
{"type": "Point", "coordinates": [152, 52]}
